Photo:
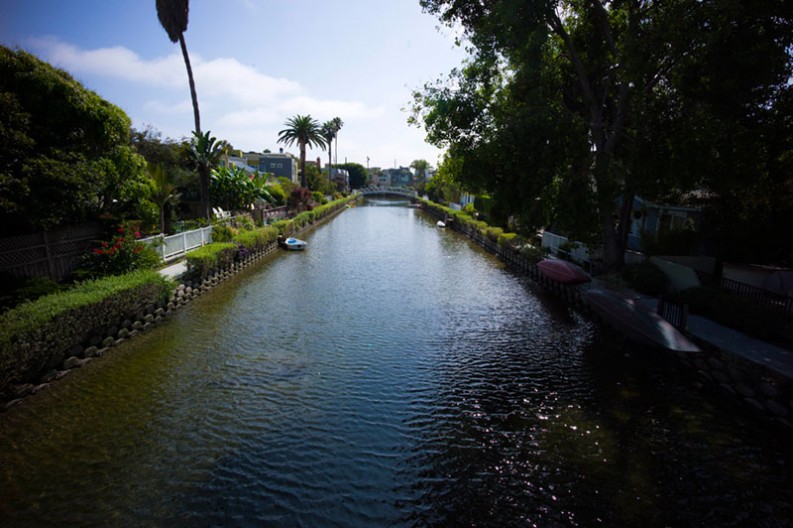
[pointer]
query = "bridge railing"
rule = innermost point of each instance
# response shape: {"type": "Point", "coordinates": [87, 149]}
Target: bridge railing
{"type": "Point", "coordinates": [401, 191]}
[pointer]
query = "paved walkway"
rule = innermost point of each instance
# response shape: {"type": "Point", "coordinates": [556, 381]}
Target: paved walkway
{"type": "Point", "coordinates": [736, 343]}
{"type": "Point", "coordinates": [175, 271]}
{"type": "Point", "coordinates": [739, 344]}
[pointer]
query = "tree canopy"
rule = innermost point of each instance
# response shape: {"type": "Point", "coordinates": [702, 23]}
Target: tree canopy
{"type": "Point", "coordinates": [305, 131]}
{"type": "Point", "coordinates": [66, 154]}
{"type": "Point", "coordinates": [567, 110]}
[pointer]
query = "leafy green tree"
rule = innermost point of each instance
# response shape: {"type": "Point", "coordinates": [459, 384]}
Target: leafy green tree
{"type": "Point", "coordinates": [420, 166]}
{"type": "Point", "coordinates": [318, 181]}
{"type": "Point", "coordinates": [305, 131]}
{"type": "Point", "coordinates": [66, 154]}
{"type": "Point", "coordinates": [567, 109]}
{"type": "Point", "coordinates": [358, 174]}
{"type": "Point", "coordinates": [173, 16]}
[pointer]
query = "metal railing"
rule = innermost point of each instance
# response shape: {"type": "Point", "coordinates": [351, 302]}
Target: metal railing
{"type": "Point", "coordinates": [751, 293]}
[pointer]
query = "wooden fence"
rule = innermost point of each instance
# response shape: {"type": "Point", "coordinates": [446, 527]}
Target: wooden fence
{"type": "Point", "coordinates": [53, 253]}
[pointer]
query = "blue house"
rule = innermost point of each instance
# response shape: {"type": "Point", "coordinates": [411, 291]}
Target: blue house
{"type": "Point", "coordinates": [652, 218]}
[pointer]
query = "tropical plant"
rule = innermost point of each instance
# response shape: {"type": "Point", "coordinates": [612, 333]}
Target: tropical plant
{"type": "Point", "coordinates": [305, 131]}
{"type": "Point", "coordinates": [163, 190]}
{"type": "Point", "coordinates": [204, 154]}
{"type": "Point", "coordinates": [232, 188]}
{"type": "Point", "coordinates": [173, 15]}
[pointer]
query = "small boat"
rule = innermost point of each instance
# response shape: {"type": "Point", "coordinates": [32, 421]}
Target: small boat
{"type": "Point", "coordinates": [294, 244]}
{"type": "Point", "coordinates": [563, 272]}
{"type": "Point", "coordinates": [637, 321]}
{"type": "Point", "coordinates": [441, 223]}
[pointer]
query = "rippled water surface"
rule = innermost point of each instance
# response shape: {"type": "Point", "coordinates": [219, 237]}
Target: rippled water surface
{"type": "Point", "coordinates": [391, 375]}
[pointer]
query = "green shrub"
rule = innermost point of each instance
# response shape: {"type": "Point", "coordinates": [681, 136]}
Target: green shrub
{"type": "Point", "coordinates": [211, 257]}
{"type": "Point", "coordinates": [508, 239]}
{"type": "Point", "coordinates": [223, 232]}
{"type": "Point", "coordinates": [646, 278]}
{"type": "Point", "coordinates": [258, 238]}
{"type": "Point", "coordinates": [284, 227]}
{"type": "Point", "coordinates": [244, 222]}
{"type": "Point", "coordinates": [277, 192]}
{"type": "Point", "coordinates": [25, 289]}
{"type": "Point", "coordinates": [35, 335]}
{"type": "Point", "coordinates": [534, 253]}
{"type": "Point", "coordinates": [493, 233]}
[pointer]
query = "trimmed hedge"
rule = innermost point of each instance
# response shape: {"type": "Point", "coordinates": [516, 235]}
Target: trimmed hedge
{"type": "Point", "coordinates": [216, 255]}
{"type": "Point", "coordinates": [258, 238]}
{"type": "Point", "coordinates": [35, 336]}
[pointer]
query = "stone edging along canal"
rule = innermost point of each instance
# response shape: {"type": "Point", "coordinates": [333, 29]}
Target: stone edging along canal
{"type": "Point", "coordinates": [101, 343]}
{"type": "Point", "coordinates": [751, 385]}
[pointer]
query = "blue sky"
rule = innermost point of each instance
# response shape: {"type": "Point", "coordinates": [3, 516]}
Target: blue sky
{"type": "Point", "coordinates": [256, 63]}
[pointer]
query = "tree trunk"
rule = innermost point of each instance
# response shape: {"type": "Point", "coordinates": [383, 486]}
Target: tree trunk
{"type": "Point", "coordinates": [330, 158]}
{"type": "Point", "coordinates": [203, 174]}
{"type": "Point", "coordinates": [190, 80]}
{"type": "Point", "coordinates": [303, 165]}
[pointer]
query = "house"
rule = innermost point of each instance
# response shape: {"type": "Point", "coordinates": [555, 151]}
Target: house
{"type": "Point", "coordinates": [280, 164]}
{"type": "Point", "coordinates": [240, 162]}
{"type": "Point", "coordinates": [648, 218]}
{"type": "Point", "coordinates": [401, 177]}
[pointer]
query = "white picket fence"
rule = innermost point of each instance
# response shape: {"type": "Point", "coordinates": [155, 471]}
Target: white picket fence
{"type": "Point", "coordinates": [579, 253]}
{"type": "Point", "coordinates": [175, 246]}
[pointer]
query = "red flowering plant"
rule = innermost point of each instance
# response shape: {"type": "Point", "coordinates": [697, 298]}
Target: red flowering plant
{"type": "Point", "coordinates": [122, 254]}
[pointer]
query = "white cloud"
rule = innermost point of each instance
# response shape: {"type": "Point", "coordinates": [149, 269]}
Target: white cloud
{"type": "Point", "coordinates": [117, 62]}
{"type": "Point", "coordinates": [237, 102]}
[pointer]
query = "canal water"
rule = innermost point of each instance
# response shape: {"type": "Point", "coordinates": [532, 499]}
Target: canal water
{"type": "Point", "coordinates": [391, 375]}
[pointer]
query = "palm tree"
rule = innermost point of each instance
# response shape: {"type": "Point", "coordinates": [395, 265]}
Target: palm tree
{"type": "Point", "coordinates": [173, 17]}
{"type": "Point", "coordinates": [337, 124]}
{"type": "Point", "coordinates": [163, 190]}
{"type": "Point", "coordinates": [328, 133]}
{"type": "Point", "coordinates": [204, 154]}
{"type": "Point", "coordinates": [305, 131]}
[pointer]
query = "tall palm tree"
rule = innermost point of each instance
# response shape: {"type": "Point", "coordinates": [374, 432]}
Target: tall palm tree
{"type": "Point", "coordinates": [173, 17]}
{"type": "Point", "coordinates": [337, 124]}
{"type": "Point", "coordinates": [305, 131]}
{"type": "Point", "coordinates": [328, 133]}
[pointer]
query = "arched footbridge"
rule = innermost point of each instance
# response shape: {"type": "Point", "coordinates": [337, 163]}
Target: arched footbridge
{"type": "Point", "coordinates": [396, 191]}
